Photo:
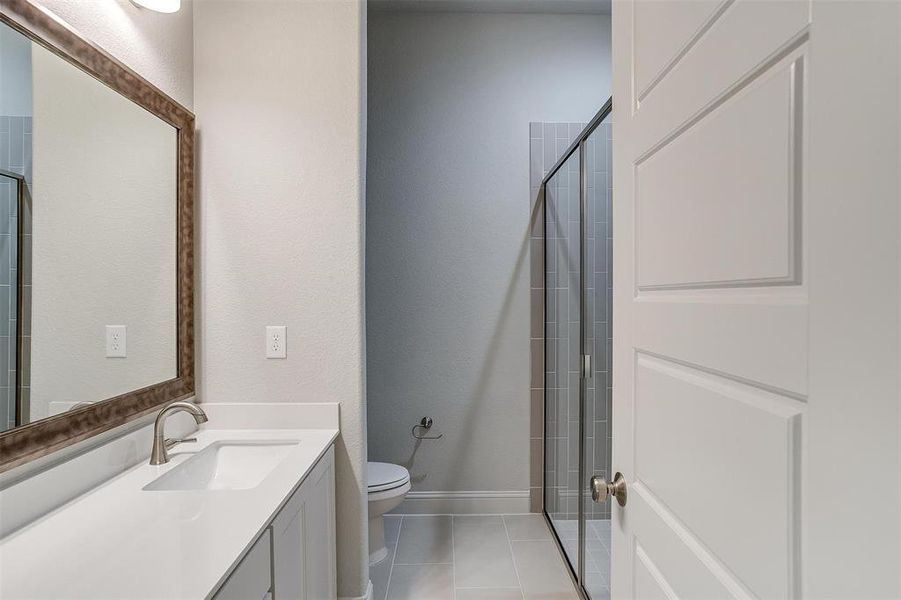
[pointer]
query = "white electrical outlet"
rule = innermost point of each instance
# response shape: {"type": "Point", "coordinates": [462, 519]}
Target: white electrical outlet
{"type": "Point", "coordinates": [276, 341]}
{"type": "Point", "coordinates": [116, 341]}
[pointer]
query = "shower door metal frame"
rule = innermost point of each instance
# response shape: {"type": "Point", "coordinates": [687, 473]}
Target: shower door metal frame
{"type": "Point", "coordinates": [22, 196]}
{"type": "Point", "coordinates": [577, 572]}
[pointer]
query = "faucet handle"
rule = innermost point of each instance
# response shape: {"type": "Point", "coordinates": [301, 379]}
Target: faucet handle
{"type": "Point", "coordinates": [171, 442]}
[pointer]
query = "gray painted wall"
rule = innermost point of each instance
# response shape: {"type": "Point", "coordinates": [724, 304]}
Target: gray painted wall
{"type": "Point", "coordinates": [451, 96]}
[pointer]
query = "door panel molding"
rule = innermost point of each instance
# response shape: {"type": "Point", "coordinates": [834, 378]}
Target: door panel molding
{"type": "Point", "coordinates": [702, 20]}
{"type": "Point", "coordinates": [748, 40]}
{"type": "Point", "coordinates": [719, 337]}
{"type": "Point", "coordinates": [691, 569]}
{"type": "Point", "coordinates": [649, 582]}
{"type": "Point", "coordinates": [755, 473]}
{"type": "Point", "coordinates": [705, 202]}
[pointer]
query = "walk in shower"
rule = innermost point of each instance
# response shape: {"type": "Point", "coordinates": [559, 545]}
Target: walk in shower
{"type": "Point", "coordinates": [577, 354]}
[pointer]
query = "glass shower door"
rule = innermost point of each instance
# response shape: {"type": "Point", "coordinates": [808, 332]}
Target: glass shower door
{"type": "Point", "coordinates": [563, 303]}
{"type": "Point", "coordinates": [598, 298]}
{"type": "Point", "coordinates": [578, 336]}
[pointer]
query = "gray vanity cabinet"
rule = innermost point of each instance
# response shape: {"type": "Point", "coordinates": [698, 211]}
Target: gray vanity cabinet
{"type": "Point", "coordinates": [294, 558]}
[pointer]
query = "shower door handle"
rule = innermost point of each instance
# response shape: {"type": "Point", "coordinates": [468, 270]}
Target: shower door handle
{"type": "Point", "coordinates": [601, 490]}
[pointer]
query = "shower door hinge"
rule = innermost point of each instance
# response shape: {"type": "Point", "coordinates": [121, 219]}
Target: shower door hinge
{"type": "Point", "coordinates": [586, 366]}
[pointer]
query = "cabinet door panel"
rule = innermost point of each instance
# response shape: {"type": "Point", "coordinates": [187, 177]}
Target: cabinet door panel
{"type": "Point", "coordinates": [252, 578]}
{"type": "Point", "coordinates": [319, 536]}
{"type": "Point", "coordinates": [304, 538]}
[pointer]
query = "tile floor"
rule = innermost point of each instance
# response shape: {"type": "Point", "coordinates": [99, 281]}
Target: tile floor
{"type": "Point", "coordinates": [470, 557]}
{"type": "Point", "coordinates": [597, 543]}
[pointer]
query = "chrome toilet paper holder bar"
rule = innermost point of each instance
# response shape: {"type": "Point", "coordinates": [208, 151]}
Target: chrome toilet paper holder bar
{"type": "Point", "coordinates": [426, 424]}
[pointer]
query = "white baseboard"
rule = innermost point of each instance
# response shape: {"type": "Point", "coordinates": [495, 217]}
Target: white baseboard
{"type": "Point", "coordinates": [463, 503]}
{"type": "Point", "coordinates": [368, 595]}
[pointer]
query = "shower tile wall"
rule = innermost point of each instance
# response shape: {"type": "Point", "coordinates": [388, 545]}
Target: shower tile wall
{"type": "Point", "coordinates": [15, 156]}
{"type": "Point", "coordinates": [548, 142]}
{"type": "Point", "coordinates": [599, 195]}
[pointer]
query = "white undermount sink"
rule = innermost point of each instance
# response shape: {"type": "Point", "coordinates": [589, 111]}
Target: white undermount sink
{"type": "Point", "coordinates": [225, 465]}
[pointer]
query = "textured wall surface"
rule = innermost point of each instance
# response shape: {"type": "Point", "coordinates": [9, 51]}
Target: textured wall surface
{"type": "Point", "coordinates": [104, 232]}
{"type": "Point", "coordinates": [280, 96]}
{"type": "Point", "coordinates": [158, 46]}
{"type": "Point", "coordinates": [451, 97]}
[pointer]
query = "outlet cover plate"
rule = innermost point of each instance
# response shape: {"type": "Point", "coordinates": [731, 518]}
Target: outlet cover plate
{"type": "Point", "coordinates": [276, 341]}
{"type": "Point", "coordinates": [116, 341]}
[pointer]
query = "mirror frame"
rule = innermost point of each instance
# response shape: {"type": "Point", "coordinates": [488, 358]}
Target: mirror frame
{"type": "Point", "coordinates": [41, 438]}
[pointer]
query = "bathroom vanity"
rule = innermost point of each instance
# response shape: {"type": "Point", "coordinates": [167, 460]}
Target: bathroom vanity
{"type": "Point", "coordinates": [294, 557]}
{"type": "Point", "coordinates": [243, 513]}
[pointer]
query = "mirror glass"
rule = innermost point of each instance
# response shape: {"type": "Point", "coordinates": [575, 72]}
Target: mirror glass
{"type": "Point", "coordinates": [88, 190]}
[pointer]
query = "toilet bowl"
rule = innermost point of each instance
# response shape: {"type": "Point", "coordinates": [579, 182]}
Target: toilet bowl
{"type": "Point", "coordinates": [388, 484]}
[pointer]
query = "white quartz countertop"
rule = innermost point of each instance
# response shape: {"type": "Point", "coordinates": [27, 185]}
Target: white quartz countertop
{"type": "Point", "coordinates": [120, 541]}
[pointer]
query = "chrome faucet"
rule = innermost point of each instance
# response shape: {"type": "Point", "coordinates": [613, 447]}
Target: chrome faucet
{"type": "Point", "coordinates": [159, 455]}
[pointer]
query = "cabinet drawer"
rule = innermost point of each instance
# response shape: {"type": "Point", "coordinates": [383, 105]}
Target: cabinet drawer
{"type": "Point", "coordinates": [252, 578]}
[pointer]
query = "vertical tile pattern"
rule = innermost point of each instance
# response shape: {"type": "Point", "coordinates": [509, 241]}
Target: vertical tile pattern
{"type": "Point", "coordinates": [600, 331]}
{"type": "Point", "coordinates": [557, 284]}
{"type": "Point", "coordinates": [492, 557]}
{"type": "Point", "coordinates": [551, 251]}
{"type": "Point", "coordinates": [556, 441]}
{"type": "Point", "coordinates": [15, 156]}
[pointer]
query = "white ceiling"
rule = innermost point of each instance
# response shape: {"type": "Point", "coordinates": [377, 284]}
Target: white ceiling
{"type": "Point", "coordinates": [495, 6]}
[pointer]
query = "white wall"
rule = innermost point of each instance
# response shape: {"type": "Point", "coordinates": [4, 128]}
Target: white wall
{"type": "Point", "coordinates": [103, 244]}
{"type": "Point", "coordinates": [451, 96]}
{"type": "Point", "coordinates": [280, 101]}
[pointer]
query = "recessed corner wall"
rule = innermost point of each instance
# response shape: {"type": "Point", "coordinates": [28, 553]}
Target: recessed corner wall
{"type": "Point", "coordinates": [449, 251]}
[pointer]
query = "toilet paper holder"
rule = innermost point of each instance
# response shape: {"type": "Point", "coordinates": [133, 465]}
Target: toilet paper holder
{"type": "Point", "coordinates": [425, 424]}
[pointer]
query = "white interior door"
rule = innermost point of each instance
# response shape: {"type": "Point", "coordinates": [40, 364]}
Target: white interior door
{"type": "Point", "coordinates": [756, 298]}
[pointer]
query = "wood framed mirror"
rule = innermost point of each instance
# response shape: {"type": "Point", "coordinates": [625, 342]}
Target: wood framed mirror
{"type": "Point", "coordinates": [102, 251]}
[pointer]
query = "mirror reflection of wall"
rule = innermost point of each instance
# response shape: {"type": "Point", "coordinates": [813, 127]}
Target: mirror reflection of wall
{"type": "Point", "coordinates": [97, 275]}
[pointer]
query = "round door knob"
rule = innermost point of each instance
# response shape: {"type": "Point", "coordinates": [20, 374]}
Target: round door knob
{"type": "Point", "coordinates": [601, 490]}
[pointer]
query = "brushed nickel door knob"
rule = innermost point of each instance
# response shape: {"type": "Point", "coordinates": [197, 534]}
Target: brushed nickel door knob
{"type": "Point", "coordinates": [601, 490]}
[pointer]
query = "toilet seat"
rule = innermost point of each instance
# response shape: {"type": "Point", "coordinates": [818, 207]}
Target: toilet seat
{"type": "Point", "coordinates": [386, 476]}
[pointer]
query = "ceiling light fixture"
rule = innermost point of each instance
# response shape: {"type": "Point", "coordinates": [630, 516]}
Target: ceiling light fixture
{"type": "Point", "coordinates": [163, 6]}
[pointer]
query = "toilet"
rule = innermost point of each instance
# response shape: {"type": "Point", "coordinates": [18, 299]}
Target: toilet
{"type": "Point", "coordinates": [388, 485]}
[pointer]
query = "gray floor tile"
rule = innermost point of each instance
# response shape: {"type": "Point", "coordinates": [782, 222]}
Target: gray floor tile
{"type": "Point", "coordinates": [551, 596]}
{"type": "Point", "coordinates": [378, 575]}
{"type": "Point", "coordinates": [421, 582]}
{"type": "Point", "coordinates": [597, 586]}
{"type": "Point", "coordinates": [482, 556]}
{"type": "Point", "coordinates": [380, 572]}
{"type": "Point", "coordinates": [527, 527]}
{"type": "Point", "coordinates": [541, 570]}
{"type": "Point", "coordinates": [429, 555]}
{"type": "Point", "coordinates": [392, 528]}
{"type": "Point", "coordinates": [424, 540]}
{"type": "Point", "coordinates": [489, 594]}
{"type": "Point", "coordinates": [567, 529]}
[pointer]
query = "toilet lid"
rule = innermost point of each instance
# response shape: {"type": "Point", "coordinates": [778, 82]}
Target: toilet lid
{"type": "Point", "coordinates": [385, 476]}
